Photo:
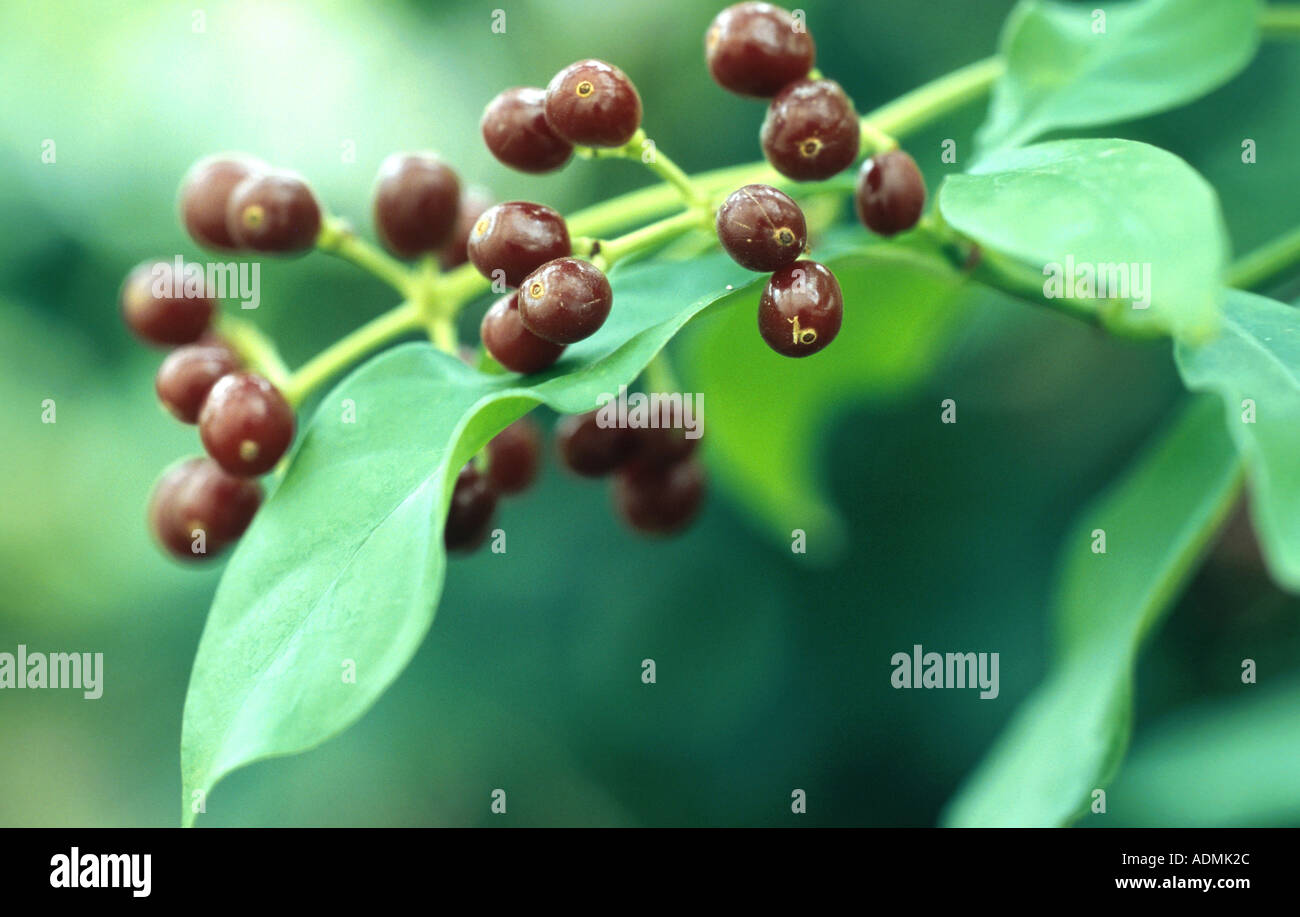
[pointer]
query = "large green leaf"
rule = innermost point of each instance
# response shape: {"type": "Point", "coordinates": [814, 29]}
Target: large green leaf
{"type": "Point", "coordinates": [1231, 764]}
{"type": "Point", "coordinates": [1062, 71]}
{"type": "Point", "coordinates": [765, 410]}
{"type": "Point", "coordinates": [1069, 736]}
{"type": "Point", "coordinates": [1256, 359]}
{"type": "Point", "coordinates": [1102, 203]}
{"type": "Point", "coordinates": [344, 564]}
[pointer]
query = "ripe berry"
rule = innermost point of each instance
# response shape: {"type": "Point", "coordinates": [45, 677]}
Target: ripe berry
{"type": "Point", "coordinates": [188, 374]}
{"type": "Point", "coordinates": [756, 49]}
{"type": "Point", "coordinates": [417, 197]}
{"type": "Point", "coordinates": [455, 252]}
{"type": "Point", "coordinates": [800, 311]}
{"type": "Point", "coordinates": [516, 132]}
{"type": "Point", "coordinates": [890, 194]}
{"type": "Point", "coordinates": [164, 308]}
{"type": "Point", "coordinates": [662, 446]}
{"type": "Point", "coordinates": [761, 228]}
{"type": "Point", "coordinates": [514, 456]}
{"type": "Point", "coordinates": [205, 194]}
{"type": "Point", "coordinates": [811, 130]}
{"type": "Point", "coordinates": [273, 212]}
{"type": "Point", "coordinates": [196, 495]}
{"type": "Point", "coordinates": [245, 424]}
{"type": "Point", "coordinates": [510, 343]}
{"type": "Point", "coordinates": [565, 300]}
{"type": "Point", "coordinates": [588, 449]}
{"type": "Point", "coordinates": [472, 503]}
{"type": "Point", "coordinates": [659, 500]}
{"type": "Point", "coordinates": [517, 238]}
{"type": "Point", "coordinates": [593, 103]}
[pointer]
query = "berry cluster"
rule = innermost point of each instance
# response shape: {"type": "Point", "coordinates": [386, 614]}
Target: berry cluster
{"type": "Point", "coordinates": [811, 132]}
{"type": "Point", "coordinates": [554, 296]}
{"type": "Point", "coordinates": [509, 467]}
{"type": "Point", "coordinates": [557, 299]}
{"type": "Point", "coordinates": [658, 483]}
{"type": "Point", "coordinates": [203, 504]}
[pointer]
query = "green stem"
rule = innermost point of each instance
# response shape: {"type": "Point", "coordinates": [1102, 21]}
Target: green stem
{"type": "Point", "coordinates": [651, 236]}
{"type": "Point", "coordinates": [1280, 22]}
{"type": "Point", "coordinates": [392, 324]}
{"type": "Point", "coordinates": [256, 349]}
{"type": "Point", "coordinates": [876, 140]}
{"type": "Point", "coordinates": [1266, 262]}
{"type": "Point", "coordinates": [339, 239]}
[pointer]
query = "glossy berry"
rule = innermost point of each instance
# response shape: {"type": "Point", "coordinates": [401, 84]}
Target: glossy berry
{"type": "Point", "coordinates": [417, 198]}
{"type": "Point", "coordinates": [756, 49]}
{"type": "Point", "coordinates": [472, 503]}
{"type": "Point", "coordinates": [197, 496]}
{"type": "Point", "coordinates": [516, 238]}
{"type": "Point", "coordinates": [510, 343]}
{"type": "Point", "coordinates": [811, 130]}
{"type": "Point", "coordinates": [588, 449]}
{"type": "Point", "coordinates": [516, 132]}
{"type": "Point", "coordinates": [245, 424]}
{"type": "Point", "coordinates": [801, 309]}
{"type": "Point", "coordinates": [890, 194]}
{"type": "Point", "coordinates": [273, 212]}
{"type": "Point", "coordinates": [662, 446]}
{"type": "Point", "coordinates": [455, 252]}
{"type": "Point", "coordinates": [205, 195]}
{"type": "Point", "coordinates": [593, 103]}
{"type": "Point", "coordinates": [659, 500]}
{"type": "Point", "coordinates": [761, 228]}
{"type": "Point", "coordinates": [188, 374]}
{"type": "Point", "coordinates": [514, 455]}
{"type": "Point", "coordinates": [565, 300]}
{"type": "Point", "coordinates": [165, 308]}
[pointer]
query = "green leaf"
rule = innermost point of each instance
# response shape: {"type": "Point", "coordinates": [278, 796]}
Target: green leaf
{"type": "Point", "coordinates": [1062, 71]}
{"type": "Point", "coordinates": [1228, 764]}
{"type": "Point", "coordinates": [765, 410]}
{"type": "Point", "coordinates": [1069, 736]}
{"type": "Point", "coordinates": [344, 564]}
{"type": "Point", "coordinates": [1103, 203]}
{"type": "Point", "coordinates": [1256, 358]}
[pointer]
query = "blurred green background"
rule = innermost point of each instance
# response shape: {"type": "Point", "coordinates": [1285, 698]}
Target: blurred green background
{"type": "Point", "coordinates": [772, 673]}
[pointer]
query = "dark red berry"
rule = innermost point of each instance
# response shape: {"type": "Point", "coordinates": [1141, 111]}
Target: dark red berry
{"type": "Point", "coordinates": [890, 194]}
{"type": "Point", "coordinates": [588, 449]}
{"type": "Point", "coordinates": [166, 307]}
{"type": "Point", "coordinates": [659, 500]}
{"type": "Point", "coordinates": [205, 195]}
{"type": "Point", "coordinates": [761, 228]}
{"type": "Point", "coordinates": [245, 424]}
{"type": "Point", "coordinates": [188, 374]}
{"type": "Point", "coordinates": [514, 455]}
{"type": "Point", "coordinates": [662, 446]}
{"type": "Point", "coordinates": [516, 238]}
{"type": "Point", "coordinates": [510, 343]}
{"type": "Point", "coordinates": [417, 197]}
{"type": "Point", "coordinates": [515, 130]}
{"type": "Point", "coordinates": [565, 300]}
{"type": "Point", "coordinates": [811, 130]}
{"type": "Point", "coordinates": [801, 309]}
{"type": "Point", "coordinates": [756, 49]}
{"type": "Point", "coordinates": [593, 103]}
{"type": "Point", "coordinates": [195, 496]}
{"type": "Point", "coordinates": [473, 202]}
{"type": "Point", "coordinates": [472, 503]}
{"type": "Point", "coordinates": [273, 212]}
